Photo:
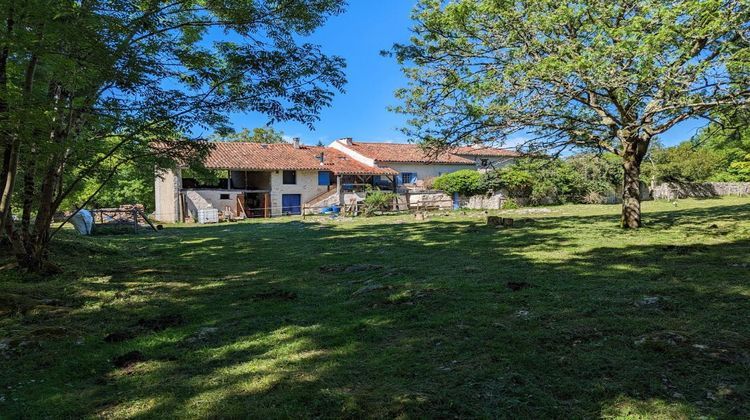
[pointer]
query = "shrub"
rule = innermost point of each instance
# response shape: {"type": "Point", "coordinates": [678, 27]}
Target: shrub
{"type": "Point", "coordinates": [685, 162]}
{"type": "Point", "coordinates": [464, 182]}
{"type": "Point", "coordinates": [740, 169]}
{"type": "Point", "coordinates": [378, 201]}
{"type": "Point", "coordinates": [580, 179]}
{"type": "Point", "coordinates": [517, 181]}
{"type": "Point", "coordinates": [510, 204]}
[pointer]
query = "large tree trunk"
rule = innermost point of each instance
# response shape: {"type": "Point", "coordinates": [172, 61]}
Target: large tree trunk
{"type": "Point", "coordinates": [10, 170]}
{"type": "Point", "coordinates": [634, 150]}
{"type": "Point", "coordinates": [631, 195]}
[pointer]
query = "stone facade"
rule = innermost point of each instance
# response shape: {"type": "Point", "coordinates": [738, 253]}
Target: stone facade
{"type": "Point", "coordinates": [306, 186]}
{"type": "Point", "coordinates": [427, 172]}
{"type": "Point", "coordinates": [168, 188]}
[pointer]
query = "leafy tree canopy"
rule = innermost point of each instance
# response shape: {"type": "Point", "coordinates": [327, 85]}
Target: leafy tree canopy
{"type": "Point", "coordinates": [603, 75]}
{"type": "Point", "coordinates": [87, 87]}
{"type": "Point", "coordinates": [257, 135]}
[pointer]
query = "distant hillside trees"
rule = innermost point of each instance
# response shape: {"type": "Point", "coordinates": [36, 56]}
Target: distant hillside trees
{"type": "Point", "coordinates": [257, 135]}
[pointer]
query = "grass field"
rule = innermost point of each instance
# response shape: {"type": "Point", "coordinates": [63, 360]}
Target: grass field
{"type": "Point", "coordinates": [564, 315]}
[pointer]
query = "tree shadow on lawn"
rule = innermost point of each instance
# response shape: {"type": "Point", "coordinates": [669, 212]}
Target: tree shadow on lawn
{"type": "Point", "coordinates": [655, 328]}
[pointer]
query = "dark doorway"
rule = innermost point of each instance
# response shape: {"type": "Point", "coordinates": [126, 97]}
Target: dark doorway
{"type": "Point", "coordinates": [256, 204]}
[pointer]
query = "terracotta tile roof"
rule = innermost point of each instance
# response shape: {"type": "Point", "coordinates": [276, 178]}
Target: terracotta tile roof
{"type": "Point", "coordinates": [484, 151]}
{"type": "Point", "coordinates": [283, 156]}
{"type": "Point", "coordinates": [400, 152]}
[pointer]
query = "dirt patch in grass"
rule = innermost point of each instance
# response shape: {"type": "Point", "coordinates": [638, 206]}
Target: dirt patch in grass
{"type": "Point", "coordinates": [275, 294]}
{"type": "Point", "coordinates": [119, 336]}
{"type": "Point", "coordinates": [156, 324]}
{"type": "Point", "coordinates": [12, 303]}
{"type": "Point", "coordinates": [368, 288]}
{"type": "Point", "coordinates": [409, 297]}
{"type": "Point", "coordinates": [354, 268]}
{"type": "Point", "coordinates": [162, 322]}
{"type": "Point", "coordinates": [517, 285]}
{"type": "Point", "coordinates": [128, 359]}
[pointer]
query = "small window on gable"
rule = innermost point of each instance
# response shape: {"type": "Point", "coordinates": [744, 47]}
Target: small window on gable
{"type": "Point", "coordinates": [223, 196]}
{"type": "Point", "coordinates": [290, 177]}
{"type": "Point", "coordinates": [485, 162]}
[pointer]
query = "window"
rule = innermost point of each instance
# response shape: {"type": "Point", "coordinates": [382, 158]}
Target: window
{"type": "Point", "coordinates": [408, 177]}
{"type": "Point", "coordinates": [324, 178]}
{"type": "Point", "coordinates": [223, 196]}
{"type": "Point", "coordinates": [485, 162]}
{"type": "Point", "coordinates": [290, 177]}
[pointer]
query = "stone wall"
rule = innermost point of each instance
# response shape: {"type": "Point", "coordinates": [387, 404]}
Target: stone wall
{"type": "Point", "coordinates": [484, 202]}
{"type": "Point", "coordinates": [672, 190]}
{"type": "Point", "coordinates": [210, 199]}
{"type": "Point", "coordinates": [429, 199]}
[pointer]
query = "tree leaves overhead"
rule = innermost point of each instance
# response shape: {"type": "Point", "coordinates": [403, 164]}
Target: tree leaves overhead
{"type": "Point", "coordinates": [586, 72]}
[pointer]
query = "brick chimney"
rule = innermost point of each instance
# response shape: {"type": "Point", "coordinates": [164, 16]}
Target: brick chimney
{"type": "Point", "coordinates": [295, 142]}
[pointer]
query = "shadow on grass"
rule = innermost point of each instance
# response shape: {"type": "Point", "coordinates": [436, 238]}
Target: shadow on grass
{"type": "Point", "coordinates": [414, 319]}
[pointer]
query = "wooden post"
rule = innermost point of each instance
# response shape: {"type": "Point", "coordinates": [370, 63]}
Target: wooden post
{"type": "Point", "coordinates": [266, 201]}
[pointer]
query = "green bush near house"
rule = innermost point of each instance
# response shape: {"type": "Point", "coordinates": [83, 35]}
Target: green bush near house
{"type": "Point", "coordinates": [376, 201]}
{"type": "Point", "coordinates": [583, 179]}
{"type": "Point", "coordinates": [465, 182]}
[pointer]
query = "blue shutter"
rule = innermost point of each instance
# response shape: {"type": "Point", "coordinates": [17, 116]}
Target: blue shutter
{"type": "Point", "coordinates": [414, 178]}
{"type": "Point", "coordinates": [324, 178]}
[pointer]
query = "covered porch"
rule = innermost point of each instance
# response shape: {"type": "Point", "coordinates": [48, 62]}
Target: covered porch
{"type": "Point", "coordinates": [236, 194]}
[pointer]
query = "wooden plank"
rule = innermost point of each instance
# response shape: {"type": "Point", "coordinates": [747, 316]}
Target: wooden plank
{"type": "Point", "coordinates": [149, 222]}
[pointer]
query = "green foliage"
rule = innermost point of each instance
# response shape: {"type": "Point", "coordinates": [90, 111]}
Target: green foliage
{"type": "Point", "coordinates": [729, 138]}
{"type": "Point", "coordinates": [465, 182]}
{"type": "Point", "coordinates": [740, 169]}
{"type": "Point", "coordinates": [516, 180]}
{"type": "Point", "coordinates": [130, 185]}
{"type": "Point", "coordinates": [598, 75]}
{"type": "Point", "coordinates": [602, 174]}
{"type": "Point", "coordinates": [569, 72]}
{"type": "Point", "coordinates": [377, 200]}
{"type": "Point", "coordinates": [203, 175]}
{"type": "Point", "coordinates": [265, 135]}
{"type": "Point", "coordinates": [89, 87]}
{"type": "Point", "coordinates": [510, 204]}
{"type": "Point", "coordinates": [685, 162]}
{"type": "Point", "coordinates": [584, 178]}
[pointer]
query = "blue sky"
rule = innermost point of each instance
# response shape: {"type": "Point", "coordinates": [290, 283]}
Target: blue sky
{"type": "Point", "coordinates": [359, 34]}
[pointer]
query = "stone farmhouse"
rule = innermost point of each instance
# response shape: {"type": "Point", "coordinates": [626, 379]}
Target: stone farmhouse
{"type": "Point", "coordinates": [267, 180]}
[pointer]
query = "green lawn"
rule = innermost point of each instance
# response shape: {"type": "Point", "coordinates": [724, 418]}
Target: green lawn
{"type": "Point", "coordinates": [391, 317]}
